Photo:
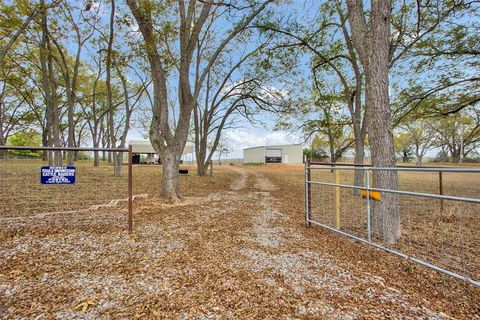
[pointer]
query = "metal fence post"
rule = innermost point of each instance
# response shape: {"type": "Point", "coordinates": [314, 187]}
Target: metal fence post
{"type": "Point", "coordinates": [440, 186]}
{"type": "Point", "coordinates": [427, 253]}
{"type": "Point", "coordinates": [337, 199]}
{"type": "Point", "coordinates": [308, 192]}
{"type": "Point", "coordinates": [130, 189]}
{"type": "Point", "coordinates": [369, 213]}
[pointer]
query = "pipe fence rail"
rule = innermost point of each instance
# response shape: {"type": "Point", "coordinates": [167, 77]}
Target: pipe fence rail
{"type": "Point", "coordinates": [438, 209]}
{"type": "Point", "coordinates": [65, 187]}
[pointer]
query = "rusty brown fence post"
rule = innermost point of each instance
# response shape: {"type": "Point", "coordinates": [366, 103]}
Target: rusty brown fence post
{"type": "Point", "coordinates": [130, 190]}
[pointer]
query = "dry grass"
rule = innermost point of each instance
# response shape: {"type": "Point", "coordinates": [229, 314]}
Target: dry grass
{"type": "Point", "coordinates": [447, 237]}
{"type": "Point", "coordinates": [237, 248]}
{"type": "Point", "coordinates": [427, 232]}
{"type": "Point", "coordinates": [23, 195]}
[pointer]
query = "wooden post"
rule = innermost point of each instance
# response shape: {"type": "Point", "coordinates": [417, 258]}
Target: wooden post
{"type": "Point", "coordinates": [440, 187]}
{"type": "Point", "coordinates": [337, 199]}
{"type": "Point", "coordinates": [130, 190]}
{"type": "Point", "coordinates": [211, 170]}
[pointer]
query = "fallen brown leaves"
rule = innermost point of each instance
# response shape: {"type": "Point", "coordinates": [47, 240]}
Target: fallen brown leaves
{"type": "Point", "coordinates": [241, 254]}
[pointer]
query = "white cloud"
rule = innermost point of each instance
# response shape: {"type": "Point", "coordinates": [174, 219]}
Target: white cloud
{"type": "Point", "coordinates": [239, 139]}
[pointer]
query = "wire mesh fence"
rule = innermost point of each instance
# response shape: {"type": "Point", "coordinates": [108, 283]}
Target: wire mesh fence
{"type": "Point", "coordinates": [439, 211]}
{"type": "Point", "coordinates": [38, 188]}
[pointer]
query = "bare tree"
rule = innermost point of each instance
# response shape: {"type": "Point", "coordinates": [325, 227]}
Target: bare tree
{"type": "Point", "coordinates": [226, 97]}
{"type": "Point", "coordinates": [169, 140]}
{"type": "Point", "coordinates": [343, 64]}
{"type": "Point", "coordinates": [422, 136]}
{"type": "Point", "coordinates": [95, 110]}
{"type": "Point", "coordinates": [49, 88]}
{"type": "Point", "coordinates": [71, 73]}
{"type": "Point", "coordinates": [123, 126]}
{"type": "Point", "coordinates": [459, 133]}
{"type": "Point", "coordinates": [111, 109]}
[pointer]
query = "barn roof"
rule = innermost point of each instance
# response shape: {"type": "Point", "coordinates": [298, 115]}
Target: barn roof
{"type": "Point", "coordinates": [275, 146]}
{"type": "Point", "coordinates": [144, 146]}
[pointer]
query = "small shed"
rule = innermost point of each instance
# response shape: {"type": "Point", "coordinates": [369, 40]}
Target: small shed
{"type": "Point", "coordinates": [144, 148]}
{"type": "Point", "coordinates": [289, 153]}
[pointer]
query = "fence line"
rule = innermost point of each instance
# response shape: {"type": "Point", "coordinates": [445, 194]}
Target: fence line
{"type": "Point", "coordinates": [28, 169]}
{"type": "Point", "coordinates": [452, 247]}
{"type": "Point", "coordinates": [86, 149]}
{"type": "Point", "coordinates": [347, 166]}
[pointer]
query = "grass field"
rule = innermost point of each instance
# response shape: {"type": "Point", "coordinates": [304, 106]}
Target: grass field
{"type": "Point", "coordinates": [236, 247]}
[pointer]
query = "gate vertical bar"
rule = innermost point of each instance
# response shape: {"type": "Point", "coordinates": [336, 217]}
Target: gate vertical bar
{"type": "Point", "coordinates": [130, 189]}
{"type": "Point", "coordinates": [440, 187]}
{"type": "Point", "coordinates": [369, 213]}
{"type": "Point", "coordinates": [308, 192]}
{"type": "Point", "coordinates": [337, 199]}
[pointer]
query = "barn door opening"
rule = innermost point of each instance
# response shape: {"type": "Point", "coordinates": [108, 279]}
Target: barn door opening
{"type": "Point", "coordinates": [273, 155]}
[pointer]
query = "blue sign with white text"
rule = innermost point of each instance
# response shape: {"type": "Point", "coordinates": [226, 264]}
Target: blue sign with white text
{"type": "Point", "coordinates": [57, 175]}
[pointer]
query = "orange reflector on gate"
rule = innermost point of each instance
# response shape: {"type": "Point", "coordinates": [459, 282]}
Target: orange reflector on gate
{"type": "Point", "coordinates": [374, 195]}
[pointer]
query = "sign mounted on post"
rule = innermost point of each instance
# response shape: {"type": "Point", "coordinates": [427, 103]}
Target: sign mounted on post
{"type": "Point", "coordinates": [57, 175]}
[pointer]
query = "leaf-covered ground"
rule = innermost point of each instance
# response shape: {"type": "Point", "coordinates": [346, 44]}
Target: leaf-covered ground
{"type": "Point", "coordinates": [236, 248]}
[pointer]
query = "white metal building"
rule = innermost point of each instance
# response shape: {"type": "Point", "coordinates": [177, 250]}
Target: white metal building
{"type": "Point", "coordinates": [144, 147]}
{"type": "Point", "coordinates": [290, 153]}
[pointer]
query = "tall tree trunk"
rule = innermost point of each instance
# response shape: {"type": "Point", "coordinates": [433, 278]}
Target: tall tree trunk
{"type": "Point", "coordinates": [71, 126]}
{"type": "Point", "coordinates": [170, 141]}
{"type": "Point", "coordinates": [171, 163]}
{"type": "Point", "coordinates": [55, 111]}
{"type": "Point", "coordinates": [3, 141]}
{"type": "Point", "coordinates": [128, 112]}
{"type": "Point", "coordinates": [419, 160]}
{"type": "Point", "coordinates": [455, 155]}
{"type": "Point", "coordinates": [202, 167]}
{"type": "Point", "coordinates": [96, 154]}
{"type": "Point", "coordinates": [358, 159]}
{"type": "Point", "coordinates": [117, 163]}
{"type": "Point", "coordinates": [46, 75]}
{"type": "Point", "coordinates": [45, 143]}
{"type": "Point", "coordinates": [201, 154]}
{"type": "Point", "coordinates": [357, 113]}
{"type": "Point", "coordinates": [372, 41]}
{"type": "Point", "coordinates": [332, 154]}
{"type": "Point", "coordinates": [96, 159]}
{"type": "Point", "coordinates": [117, 169]}
{"type": "Point", "coordinates": [359, 129]}
{"type": "Point", "coordinates": [3, 153]}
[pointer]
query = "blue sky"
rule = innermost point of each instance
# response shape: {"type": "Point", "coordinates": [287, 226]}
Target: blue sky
{"type": "Point", "coordinates": [245, 134]}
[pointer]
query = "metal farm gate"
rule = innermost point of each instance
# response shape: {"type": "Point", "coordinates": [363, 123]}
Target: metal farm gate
{"type": "Point", "coordinates": [439, 209]}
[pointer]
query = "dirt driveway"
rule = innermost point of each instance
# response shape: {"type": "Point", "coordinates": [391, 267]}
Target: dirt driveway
{"type": "Point", "coordinates": [236, 253]}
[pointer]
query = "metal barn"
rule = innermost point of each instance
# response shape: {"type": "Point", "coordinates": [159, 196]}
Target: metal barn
{"type": "Point", "coordinates": [144, 148]}
{"type": "Point", "coordinates": [289, 153]}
